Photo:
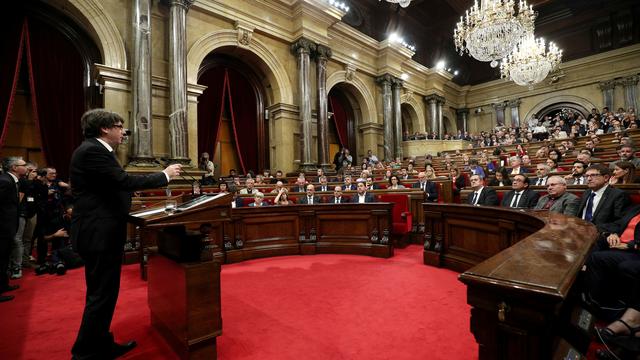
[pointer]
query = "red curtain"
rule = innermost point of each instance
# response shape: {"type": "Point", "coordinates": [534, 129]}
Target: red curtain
{"type": "Point", "coordinates": [210, 107]}
{"type": "Point", "coordinates": [56, 80]}
{"type": "Point", "coordinates": [11, 43]}
{"type": "Point", "coordinates": [228, 88]}
{"type": "Point", "coordinates": [340, 119]}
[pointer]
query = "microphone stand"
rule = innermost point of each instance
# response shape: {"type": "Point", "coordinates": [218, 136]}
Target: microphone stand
{"type": "Point", "coordinates": [195, 184]}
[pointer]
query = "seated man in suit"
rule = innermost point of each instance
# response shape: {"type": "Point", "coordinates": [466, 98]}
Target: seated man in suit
{"type": "Point", "coordinates": [310, 198]}
{"type": "Point", "coordinates": [558, 199]}
{"type": "Point", "coordinates": [337, 197]}
{"type": "Point", "coordinates": [542, 171]}
{"type": "Point", "coordinates": [428, 187]}
{"type": "Point", "coordinates": [601, 203]}
{"type": "Point", "coordinates": [300, 185]}
{"type": "Point", "coordinates": [348, 185]}
{"type": "Point", "coordinates": [250, 183]}
{"type": "Point", "coordinates": [323, 186]}
{"type": "Point", "coordinates": [237, 200]}
{"type": "Point", "coordinates": [481, 195]}
{"type": "Point", "coordinates": [258, 200]}
{"type": "Point", "coordinates": [362, 196]}
{"type": "Point", "coordinates": [521, 196]}
{"type": "Point", "coordinates": [370, 184]}
{"type": "Point", "coordinates": [577, 174]}
{"type": "Point", "coordinates": [279, 186]}
{"type": "Point", "coordinates": [615, 258]}
{"type": "Point", "coordinates": [516, 166]}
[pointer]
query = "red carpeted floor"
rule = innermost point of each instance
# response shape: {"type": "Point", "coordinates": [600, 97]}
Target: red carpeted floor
{"type": "Point", "coordinates": [294, 307]}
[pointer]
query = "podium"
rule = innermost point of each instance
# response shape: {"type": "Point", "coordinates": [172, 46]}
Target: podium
{"type": "Point", "coordinates": [183, 271]}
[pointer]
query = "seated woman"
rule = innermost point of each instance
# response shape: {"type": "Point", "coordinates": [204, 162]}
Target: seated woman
{"type": "Point", "coordinates": [394, 183]}
{"type": "Point", "coordinates": [258, 200]}
{"type": "Point", "coordinates": [430, 173]}
{"type": "Point", "coordinates": [458, 181]}
{"type": "Point", "coordinates": [502, 178]}
{"type": "Point", "coordinates": [624, 172]}
{"type": "Point", "coordinates": [282, 198]}
{"type": "Point", "coordinates": [387, 175]}
{"type": "Point", "coordinates": [553, 165]}
{"type": "Point", "coordinates": [223, 188]}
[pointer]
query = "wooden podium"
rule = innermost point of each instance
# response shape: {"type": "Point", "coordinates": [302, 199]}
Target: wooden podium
{"type": "Point", "coordinates": [183, 272]}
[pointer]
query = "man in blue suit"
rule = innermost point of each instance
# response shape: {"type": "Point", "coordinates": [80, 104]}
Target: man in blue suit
{"type": "Point", "coordinates": [428, 187]}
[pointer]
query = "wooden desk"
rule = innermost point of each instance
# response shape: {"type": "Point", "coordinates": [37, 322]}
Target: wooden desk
{"type": "Point", "coordinates": [521, 268]}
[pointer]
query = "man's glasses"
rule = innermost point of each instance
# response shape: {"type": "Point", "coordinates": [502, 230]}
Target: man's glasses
{"type": "Point", "coordinates": [592, 175]}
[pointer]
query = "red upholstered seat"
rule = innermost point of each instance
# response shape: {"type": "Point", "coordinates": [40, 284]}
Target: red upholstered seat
{"type": "Point", "coordinates": [635, 198]}
{"type": "Point", "coordinates": [400, 215]}
{"type": "Point", "coordinates": [500, 196]}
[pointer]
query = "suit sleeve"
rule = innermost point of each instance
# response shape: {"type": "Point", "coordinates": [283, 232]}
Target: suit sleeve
{"type": "Point", "coordinates": [492, 198]}
{"type": "Point", "coordinates": [572, 207]}
{"type": "Point", "coordinates": [506, 200]}
{"type": "Point", "coordinates": [432, 190]}
{"type": "Point", "coordinates": [533, 199]}
{"type": "Point", "coordinates": [620, 204]}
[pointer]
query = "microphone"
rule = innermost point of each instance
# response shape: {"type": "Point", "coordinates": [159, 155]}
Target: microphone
{"type": "Point", "coordinates": [195, 183]}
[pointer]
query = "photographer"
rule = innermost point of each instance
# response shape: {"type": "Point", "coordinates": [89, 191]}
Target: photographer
{"type": "Point", "coordinates": [207, 165]}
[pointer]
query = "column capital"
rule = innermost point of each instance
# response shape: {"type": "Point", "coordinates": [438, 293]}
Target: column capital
{"type": "Point", "coordinates": [499, 106]}
{"type": "Point", "coordinates": [435, 98]}
{"type": "Point", "coordinates": [462, 111]}
{"type": "Point", "coordinates": [385, 79]}
{"type": "Point", "coordinates": [396, 83]}
{"type": "Point", "coordinates": [629, 80]}
{"type": "Point", "coordinates": [607, 85]}
{"type": "Point", "coordinates": [303, 45]}
{"type": "Point", "coordinates": [186, 4]}
{"type": "Point", "coordinates": [514, 103]}
{"type": "Point", "coordinates": [322, 52]}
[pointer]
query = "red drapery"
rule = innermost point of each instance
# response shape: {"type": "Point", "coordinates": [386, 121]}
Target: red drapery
{"type": "Point", "coordinates": [11, 43]}
{"type": "Point", "coordinates": [57, 92]}
{"type": "Point", "coordinates": [228, 87]}
{"type": "Point", "coordinates": [339, 118]}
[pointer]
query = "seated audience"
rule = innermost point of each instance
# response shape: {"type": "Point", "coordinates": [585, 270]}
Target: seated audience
{"type": "Point", "coordinates": [577, 174]}
{"type": "Point", "coordinates": [362, 196]}
{"type": "Point", "coordinates": [553, 166]}
{"type": "Point", "coordinates": [626, 153]}
{"type": "Point", "coordinates": [282, 198]}
{"type": "Point", "coordinates": [323, 186]}
{"type": "Point", "coordinates": [258, 200]}
{"type": "Point", "coordinates": [278, 188]}
{"type": "Point", "coordinates": [338, 197]}
{"type": "Point", "coordinates": [601, 203]}
{"type": "Point", "coordinates": [558, 199]}
{"type": "Point", "coordinates": [310, 198]}
{"type": "Point", "coordinates": [542, 171]}
{"type": "Point", "coordinates": [521, 196]}
{"type": "Point", "coordinates": [516, 166]}
{"type": "Point", "coordinates": [475, 168]}
{"type": "Point", "coordinates": [347, 183]}
{"type": "Point", "coordinates": [428, 187]}
{"type": "Point", "coordinates": [481, 195]}
{"type": "Point", "coordinates": [458, 181]}
{"type": "Point", "coordinates": [249, 187]}
{"type": "Point", "coordinates": [394, 183]}
{"type": "Point", "coordinates": [624, 172]}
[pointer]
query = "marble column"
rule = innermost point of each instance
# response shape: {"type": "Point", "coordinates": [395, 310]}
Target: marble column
{"type": "Point", "coordinates": [432, 106]}
{"type": "Point", "coordinates": [302, 48]}
{"type": "Point", "coordinates": [396, 87]}
{"type": "Point", "coordinates": [607, 88]}
{"type": "Point", "coordinates": [440, 102]}
{"type": "Point", "coordinates": [387, 114]}
{"type": "Point", "coordinates": [499, 109]}
{"type": "Point", "coordinates": [515, 112]}
{"type": "Point", "coordinates": [630, 84]}
{"type": "Point", "coordinates": [141, 144]}
{"type": "Point", "coordinates": [178, 122]}
{"type": "Point", "coordinates": [463, 115]}
{"type": "Point", "coordinates": [322, 54]}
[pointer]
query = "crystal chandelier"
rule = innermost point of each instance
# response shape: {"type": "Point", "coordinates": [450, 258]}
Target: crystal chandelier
{"type": "Point", "coordinates": [489, 31]}
{"type": "Point", "coordinates": [403, 3]}
{"type": "Point", "coordinates": [530, 62]}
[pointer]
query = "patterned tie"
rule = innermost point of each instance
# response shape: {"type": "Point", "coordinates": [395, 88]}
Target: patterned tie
{"type": "Point", "coordinates": [475, 198]}
{"type": "Point", "coordinates": [588, 215]}
{"type": "Point", "coordinates": [540, 181]}
{"type": "Point", "coordinates": [549, 203]}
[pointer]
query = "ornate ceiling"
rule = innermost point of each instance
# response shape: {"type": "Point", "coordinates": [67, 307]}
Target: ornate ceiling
{"type": "Point", "coordinates": [579, 27]}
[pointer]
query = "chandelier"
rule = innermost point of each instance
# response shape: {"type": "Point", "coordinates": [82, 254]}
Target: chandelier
{"type": "Point", "coordinates": [489, 31]}
{"type": "Point", "coordinates": [530, 62]}
{"type": "Point", "coordinates": [403, 3]}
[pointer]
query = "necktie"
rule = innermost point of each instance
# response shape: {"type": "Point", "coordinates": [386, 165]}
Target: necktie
{"type": "Point", "coordinates": [549, 203]}
{"type": "Point", "coordinates": [475, 198]}
{"type": "Point", "coordinates": [424, 187]}
{"type": "Point", "coordinates": [579, 181]}
{"type": "Point", "coordinates": [310, 200]}
{"type": "Point", "coordinates": [588, 214]}
{"type": "Point", "coordinates": [337, 200]}
{"type": "Point", "coordinates": [540, 181]}
{"type": "Point", "coordinates": [515, 200]}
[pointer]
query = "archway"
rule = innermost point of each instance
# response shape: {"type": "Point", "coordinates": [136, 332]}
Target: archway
{"type": "Point", "coordinates": [409, 119]}
{"type": "Point", "coordinates": [557, 102]}
{"type": "Point", "coordinates": [556, 108]}
{"type": "Point", "coordinates": [231, 122]}
{"type": "Point", "coordinates": [345, 114]}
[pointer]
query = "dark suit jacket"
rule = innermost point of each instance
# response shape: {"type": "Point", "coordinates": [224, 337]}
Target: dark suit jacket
{"type": "Point", "coordinates": [432, 190]}
{"type": "Point", "coordinates": [488, 196]}
{"type": "Point", "coordinates": [368, 197]}
{"type": "Point", "coordinates": [610, 208]}
{"type": "Point", "coordinates": [534, 181]}
{"type": "Point", "coordinates": [460, 184]}
{"type": "Point", "coordinates": [238, 201]}
{"type": "Point", "coordinates": [8, 209]}
{"type": "Point", "coordinates": [528, 199]}
{"type": "Point", "coordinates": [103, 197]}
{"type": "Point", "coordinates": [350, 187]}
{"type": "Point", "coordinates": [343, 199]}
{"type": "Point", "coordinates": [618, 226]}
{"type": "Point", "coordinates": [303, 200]}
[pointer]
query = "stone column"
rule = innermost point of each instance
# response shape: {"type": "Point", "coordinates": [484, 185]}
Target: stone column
{"type": "Point", "coordinates": [302, 48]}
{"type": "Point", "coordinates": [322, 54]}
{"type": "Point", "coordinates": [515, 114]}
{"type": "Point", "coordinates": [499, 108]}
{"type": "Point", "coordinates": [607, 88]}
{"type": "Point", "coordinates": [441, 101]}
{"type": "Point", "coordinates": [630, 84]}
{"type": "Point", "coordinates": [141, 144]}
{"type": "Point", "coordinates": [396, 86]}
{"type": "Point", "coordinates": [433, 111]}
{"type": "Point", "coordinates": [462, 118]}
{"type": "Point", "coordinates": [387, 114]}
{"type": "Point", "coordinates": [178, 122]}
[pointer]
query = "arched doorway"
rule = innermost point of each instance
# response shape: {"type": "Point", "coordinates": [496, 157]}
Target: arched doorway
{"type": "Point", "coordinates": [231, 123]}
{"type": "Point", "coordinates": [48, 62]}
{"type": "Point", "coordinates": [409, 119]}
{"type": "Point", "coordinates": [554, 109]}
{"type": "Point", "coordinates": [345, 111]}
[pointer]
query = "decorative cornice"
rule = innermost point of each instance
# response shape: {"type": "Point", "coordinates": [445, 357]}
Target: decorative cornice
{"type": "Point", "coordinates": [245, 32]}
{"type": "Point", "coordinates": [303, 45]}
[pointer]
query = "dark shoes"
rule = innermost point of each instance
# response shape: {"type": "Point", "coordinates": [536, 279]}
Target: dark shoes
{"type": "Point", "coordinates": [10, 288]}
{"type": "Point", "coordinates": [118, 350]}
{"type": "Point", "coordinates": [4, 298]}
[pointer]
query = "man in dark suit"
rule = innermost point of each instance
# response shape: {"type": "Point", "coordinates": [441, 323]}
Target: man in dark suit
{"type": "Point", "coordinates": [614, 262]}
{"type": "Point", "coordinates": [481, 195]}
{"type": "Point", "coordinates": [362, 196]}
{"type": "Point", "coordinates": [428, 187]}
{"type": "Point", "coordinates": [102, 190]}
{"type": "Point", "coordinates": [542, 171]}
{"type": "Point", "coordinates": [337, 197]}
{"type": "Point", "coordinates": [310, 198]}
{"type": "Point", "coordinates": [521, 196]}
{"type": "Point", "coordinates": [348, 185]}
{"type": "Point", "coordinates": [14, 168]}
{"type": "Point", "coordinates": [601, 203]}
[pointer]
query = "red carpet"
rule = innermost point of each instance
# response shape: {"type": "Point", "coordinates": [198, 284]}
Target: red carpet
{"type": "Point", "coordinates": [294, 307]}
